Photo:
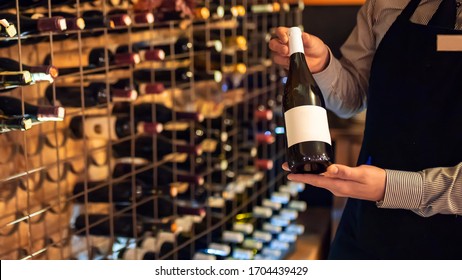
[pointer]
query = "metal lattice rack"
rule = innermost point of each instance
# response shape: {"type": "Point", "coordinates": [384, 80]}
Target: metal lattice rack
{"type": "Point", "coordinates": [40, 167]}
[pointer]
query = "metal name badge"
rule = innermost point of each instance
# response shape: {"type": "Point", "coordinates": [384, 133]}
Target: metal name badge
{"type": "Point", "coordinates": [448, 43]}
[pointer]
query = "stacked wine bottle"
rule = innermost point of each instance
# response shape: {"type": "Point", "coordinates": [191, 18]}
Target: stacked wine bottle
{"type": "Point", "coordinates": [143, 129]}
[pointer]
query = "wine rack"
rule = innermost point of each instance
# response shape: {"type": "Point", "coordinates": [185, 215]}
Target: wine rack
{"type": "Point", "coordinates": [55, 175]}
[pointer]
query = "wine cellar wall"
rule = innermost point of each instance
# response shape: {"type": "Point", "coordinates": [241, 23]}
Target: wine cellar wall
{"type": "Point", "coordinates": [152, 130]}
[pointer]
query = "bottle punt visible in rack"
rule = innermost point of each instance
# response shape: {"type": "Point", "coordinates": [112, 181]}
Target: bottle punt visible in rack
{"type": "Point", "coordinates": [309, 147]}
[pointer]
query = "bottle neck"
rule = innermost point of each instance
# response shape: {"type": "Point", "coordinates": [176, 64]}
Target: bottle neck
{"type": "Point", "coordinates": [295, 41]}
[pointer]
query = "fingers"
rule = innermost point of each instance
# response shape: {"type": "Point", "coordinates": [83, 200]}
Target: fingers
{"type": "Point", "coordinates": [284, 61]}
{"type": "Point", "coordinates": [311, 41]}
{"type": "Point", "coordinates": [332, 184]}
{"type": "Point", "coordinates": [343, 172]}
{"type": "Point", "coordinates": [279, 45]}
{"type": "Point", "coordinates": [282, 34]}
{"type": "Point", "coordinates": [280, 48]}
{"type": "Point", "coordinates": [285, 166]}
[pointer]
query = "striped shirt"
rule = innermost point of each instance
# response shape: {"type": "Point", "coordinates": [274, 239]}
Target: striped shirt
{"type": "Point", "coordinates": [344, 84]}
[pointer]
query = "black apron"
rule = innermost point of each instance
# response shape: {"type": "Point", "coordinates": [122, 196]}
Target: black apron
{"type": "Point", "coordinates": [413, 122]}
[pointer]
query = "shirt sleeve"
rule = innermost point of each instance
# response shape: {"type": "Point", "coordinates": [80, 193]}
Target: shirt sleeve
{"type": "Point", "coordinates": [344, 82]}
{"type": "Point", "coordinates": [428, 192]}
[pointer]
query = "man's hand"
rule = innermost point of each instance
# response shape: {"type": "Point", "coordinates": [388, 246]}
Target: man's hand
{"type": "Point", "coordinates": [316, 52]}
{"type": "Point", "coordinates": [362, 182]}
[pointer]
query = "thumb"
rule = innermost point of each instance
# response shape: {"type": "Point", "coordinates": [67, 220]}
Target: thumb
{"type": "Point", "coordinates": [341, 171]}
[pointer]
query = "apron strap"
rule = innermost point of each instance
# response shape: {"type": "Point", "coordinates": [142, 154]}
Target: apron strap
{"type": "Point", "coordinates": [407, 13]}
{"type": "Point", "coordinates": [445, 15]}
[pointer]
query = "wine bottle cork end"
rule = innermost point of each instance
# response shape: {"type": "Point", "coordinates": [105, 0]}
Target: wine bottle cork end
{"type": "Point", "coordinates": [223, 136]}
{"type": "Point", "coordinates": [61, 23]}
{"type": "Point", "coordinates": [127, 58]}
{"type": "Point", "coordinates": [204, 13]}
{"type": "Point", "coordinates": [198, 151]}
{"type": "Point", "coordinates": [53, 72]}
{"type": "Point", "coordinates": [124, 95]}
{"type": "Point", "coordinates": [223, 165]}
{"type": "Point", "coordinates": [151, 128]}
{"type": "Point", "coordinates": [121, 20]}
{"type": "Point", "coordinates": [79, 24]}
{"type": "Point", "coordinates": [50, 113]}
{"type": "Point", "coordinates": [220, 12]}
{"type": "Point", "coordinates": [241, 11]}
{"type": "Point", "coordinates": [144, 18]}
{"type": "Point", "coordinates": [153, 55]}
{"type": "Point", "coordinates": [153, 88]}
{"type": "Point", "coordinates": [26, 124]}
{"type": "Point", "coordinates": [264, 164]}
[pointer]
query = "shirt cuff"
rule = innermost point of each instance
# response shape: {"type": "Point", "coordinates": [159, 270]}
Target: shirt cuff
{"type": "Point", "coordinates": [403, 190]}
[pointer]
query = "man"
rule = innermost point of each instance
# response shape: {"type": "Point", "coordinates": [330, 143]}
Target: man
{"type": "Point", "coordinates": [406, 192]}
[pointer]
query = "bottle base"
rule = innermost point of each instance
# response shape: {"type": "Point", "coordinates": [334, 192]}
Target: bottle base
{"type": "Point", "coordinates": [309, 167]}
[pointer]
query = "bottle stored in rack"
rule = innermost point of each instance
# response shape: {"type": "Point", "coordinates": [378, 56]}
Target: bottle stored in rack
{"type": "Point", "coordinates": [94, 94]}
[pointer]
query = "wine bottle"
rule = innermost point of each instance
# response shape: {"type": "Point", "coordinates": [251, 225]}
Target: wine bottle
{"type": "Point", "coordinates": [135, 254]}
{"type": "Point", "coordinates": [181, 46]}
{"type": "Point", "coordinates": [95, 19]}
{"type": "Point", "coordinates": [123, 192]}
{"type": "Point", "coordinates": [214, 251]}
{"type": "Point", "coordinates": [146, 112]}
{"type": "Point", "coordinates": [72, 21]}
{"type": "Point", "coordinates": [95, 94]}
{"type": "Point", "coordinates": [122, 19]}
{"type": "Point", "coordinates": [309, 147]}
{"type": "Point", "coordinates": [197, 244]}
{"type": "Point", "coordinates": [256, 81]}
{"type": "Point", "coordinates": [198, 164]}
{"type": "Point", "coordinates": [212, 61]}
{"type": "Point", "coordinates": [33, 26]}
{"type": "Point", "coordinates": [112, 3]}
{"type": "Point", "coordinates": [264, 8]}
{"type": "Point", "coordinates": [7, 29]}
{"type": "Point", "coordinates": [14, 123]}
{"type": "Point", "coordinates": [13, 79]}
{"type": "Point", "coordinates": [123, 225]}
{"type": "Point", "coordinates": [229, 41]}
{"type": "Point", "coordinates": [180, 75]}
{"type": "Point", "coordinates": [28, 4]}
{"type": "Point", "coordinates": [10, 106]}
{"type": "Point", "coordinates": [293, 5]}
{"type": "Point", "coordinates": [144, 149]}
{"type": "Point", "coordinates": [141, 88]}
{"type": "Point", "coordinates": [38, 73]}
{"type": "Point", "coordinates": [167, 207]}
{"type": "Point", "coordinates": [218, 11]}
{"type": "Point", "coordinates": [167, 241]}
{"type": "Point", "coordinates": [181, 181]}
{"type": "Point", "coordinates": [68, 61]}
{"type": "Point", "coordinates": [139, 17]}
{"type": "Point", "coordinates": [194, 132]}
{"type": "Point", "coordinates": [244, 150]}
{"type": "Point", "coordinates": [36, 25]}
{"type": "Point", "coordinates": [210, 45]}
{"type": "Point", "coordinates": [96, 127]}
{"type": "Point", "coordinates": [146, 5]}
{"type": "Point", "coordinates": [145, 52]}
{"type": "Point", "coordinates": [171, 11]}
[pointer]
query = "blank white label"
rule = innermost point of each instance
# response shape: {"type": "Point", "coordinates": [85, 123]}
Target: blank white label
{"type": "Point", "coordinates": [306, 123]}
